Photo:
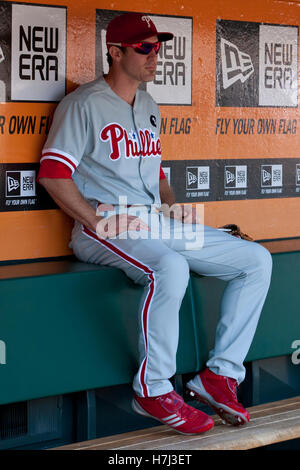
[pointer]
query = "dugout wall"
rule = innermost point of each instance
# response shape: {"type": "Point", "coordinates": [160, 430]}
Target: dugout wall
{"type": "Point", "coordinates": [227, 86]}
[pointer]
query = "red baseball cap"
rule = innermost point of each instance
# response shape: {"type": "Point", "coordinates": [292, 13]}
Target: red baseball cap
{"type": "Point", "coordinates": [132, 28]}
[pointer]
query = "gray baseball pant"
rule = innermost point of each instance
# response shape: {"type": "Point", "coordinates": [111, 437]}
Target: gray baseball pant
{"type": "Point", "coordinates": [162, 265]}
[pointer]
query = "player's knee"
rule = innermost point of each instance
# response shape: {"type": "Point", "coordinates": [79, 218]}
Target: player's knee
{"type": "Point", "coordinates": [174, 273]}
{"type": "Point", "coordinates": [262, 260]}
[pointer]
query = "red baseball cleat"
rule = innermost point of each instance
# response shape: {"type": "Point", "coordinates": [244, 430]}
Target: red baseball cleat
{"type": "Point", "coordinates": [219, 393]}
{"type": "Point", "coordinates": [172, 410]}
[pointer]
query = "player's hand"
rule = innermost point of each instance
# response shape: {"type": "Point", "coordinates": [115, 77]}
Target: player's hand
{"type": "Point", "coordinates": [187, 213]}
{"type": "Point", "coordinates": [112, 226]}
{"type": "Point", "coordinates": [190, 214]}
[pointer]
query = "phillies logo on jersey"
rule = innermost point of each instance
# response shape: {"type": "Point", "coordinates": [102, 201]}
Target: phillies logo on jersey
{"type": "Point", "coordinates": [143, 143]}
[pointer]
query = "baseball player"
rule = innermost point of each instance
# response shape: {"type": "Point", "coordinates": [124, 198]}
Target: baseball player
{"type": "Point", "coordinates": [101, 163]}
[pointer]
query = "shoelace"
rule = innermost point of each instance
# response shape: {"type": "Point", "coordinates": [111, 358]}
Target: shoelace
{"type": "Point", "coordinates": [188, 412]}
{"type": "Point", "coordinates": [185, 411]}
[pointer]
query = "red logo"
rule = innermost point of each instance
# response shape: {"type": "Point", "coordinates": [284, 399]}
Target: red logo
{"type": "Point", "coordinates": [143, 143]}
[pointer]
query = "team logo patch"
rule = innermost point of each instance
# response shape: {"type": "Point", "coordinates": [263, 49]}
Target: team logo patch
{"type": "Point", "coordinates": [256, 64]}
{"type": "Point", "coordinates": [32, 52]}
{"type": "Point", "coordinates": [153, 120]}
{"type": "Point", "coordinates": [147, 19]}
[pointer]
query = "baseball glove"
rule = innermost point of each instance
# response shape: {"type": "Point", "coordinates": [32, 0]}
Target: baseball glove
{"type": "Point", "coordinates": [235, 230]}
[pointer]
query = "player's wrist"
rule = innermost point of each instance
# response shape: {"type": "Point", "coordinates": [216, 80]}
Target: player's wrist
{"type": "Point", "coordinates": [95, 223]}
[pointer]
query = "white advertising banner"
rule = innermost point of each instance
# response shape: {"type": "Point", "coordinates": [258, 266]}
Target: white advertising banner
{"type": "Point", "coordinates": [278, 59]}
{"type": "Point", "coordinates": [38, 64]}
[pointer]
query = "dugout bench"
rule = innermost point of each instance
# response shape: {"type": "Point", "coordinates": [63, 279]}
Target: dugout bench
{"type": "Point", "coordinates": [68, 326]}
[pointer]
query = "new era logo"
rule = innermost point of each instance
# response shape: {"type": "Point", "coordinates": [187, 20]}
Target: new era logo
{"type": "Point", "coordinates": [2, 58]}
{"type": "Point", "coordinates": [20, 183]}
{"type": "Point", "coordinates": [265, 176]}
{"type": "Point", "coordinates": [191, 178]}
{"type": "Point", "coordinates": [256, 64]}
{"type": "Point", "coordinates": [235, 176]}
{"type": "Point", "coordinates": [12, 184]}
{"type": "Point", "coordinates": [271, 175]}
{"type": "Point", "coordinates": [13, 179]}
{"type": "Point", "coordinates": [197, 177]}
{"type": "Point", "coordinates": [32, 52]}
{"type": "Point", "coordinates": [298, 174]}
{"type": "Point", "coordinates": [236, 65]}
{"type": "Point", "coordinates": [229, 178]}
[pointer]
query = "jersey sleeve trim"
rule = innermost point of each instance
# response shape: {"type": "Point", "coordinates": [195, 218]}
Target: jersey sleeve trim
{"type": "Point", "coordinates": [60, 156]}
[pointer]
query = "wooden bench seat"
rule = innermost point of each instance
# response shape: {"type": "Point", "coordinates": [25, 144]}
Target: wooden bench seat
{"type": "Point", "coordinates": [270, 423]}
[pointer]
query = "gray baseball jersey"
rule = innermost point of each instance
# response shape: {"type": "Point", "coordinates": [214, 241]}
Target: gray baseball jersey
{"type": "Point", "coordinates": [112, 148]}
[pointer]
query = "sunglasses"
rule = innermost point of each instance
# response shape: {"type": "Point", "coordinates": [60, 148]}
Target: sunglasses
{"type": "Point", "coordinates": [140, 47]}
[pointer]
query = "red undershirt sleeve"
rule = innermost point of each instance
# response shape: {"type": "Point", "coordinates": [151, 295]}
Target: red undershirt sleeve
{"type": "Point", "coordinates": [54, 169]}
{"type": "Point", "coordinates": [162, 176]}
